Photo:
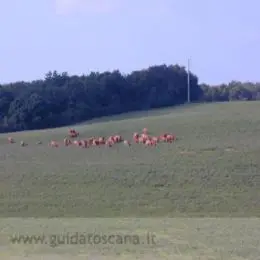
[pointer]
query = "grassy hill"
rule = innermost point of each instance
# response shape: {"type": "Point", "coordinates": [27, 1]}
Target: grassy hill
{"type": "Point", "coordinates": [212, 170]}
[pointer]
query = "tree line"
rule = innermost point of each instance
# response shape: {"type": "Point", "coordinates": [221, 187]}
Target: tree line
{"type": "Point", "coordinates": [60, 99]}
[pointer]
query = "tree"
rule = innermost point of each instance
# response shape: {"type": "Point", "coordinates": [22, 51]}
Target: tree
{"type": "Point", "coordinates": [60, 99]}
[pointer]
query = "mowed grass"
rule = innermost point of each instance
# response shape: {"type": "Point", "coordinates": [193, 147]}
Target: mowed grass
{"type": "Point", "coordinates": [173, 238]}
{"type": "Point", "coordinates": [213, 169]}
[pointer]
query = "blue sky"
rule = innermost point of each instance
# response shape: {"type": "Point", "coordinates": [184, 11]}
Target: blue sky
{"type": "Point", "coordinates": [78, 36]}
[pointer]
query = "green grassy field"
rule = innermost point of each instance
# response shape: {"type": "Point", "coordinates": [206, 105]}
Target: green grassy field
{"type": "Point", "coordinates": [212, 170]}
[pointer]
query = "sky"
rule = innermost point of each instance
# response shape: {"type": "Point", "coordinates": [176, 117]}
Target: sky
{"type": "Point", "coordinates": [221, 37]}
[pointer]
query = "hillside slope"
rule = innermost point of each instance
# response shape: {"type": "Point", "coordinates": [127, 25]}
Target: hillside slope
{"type": "Point", "coordinates": [213, 168]}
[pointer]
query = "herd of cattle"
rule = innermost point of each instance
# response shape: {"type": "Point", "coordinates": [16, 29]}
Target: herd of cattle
{"type": "Point", "coordinates": [141, 138]}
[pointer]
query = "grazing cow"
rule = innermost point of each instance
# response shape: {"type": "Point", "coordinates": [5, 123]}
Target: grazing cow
{"type": "Point", "coordinates": [66, 141]}
{"type": "Point", "coordinates": [109, 143]}
{"type": "Point", "coordinates": [73, 133]}
{"type": "Point", "coordinates": [111, 139]}
{"type": "Point", "coordinates": [95, 142]}
{"type": "Point", "coordinates": [136, 140]}
{"type": "Point", "coordinates": [145, 137]}
{"type": "Point", "coordinates": [163, 137]}
{"type": "Point", "coordinates": [135, 137]}
{"type": "Point", "coordinates": [148, 143]}
{"type": "Point", "coordinates": [76, 142]}
{"type": "Point", "coordinates": [117, 139]}
{"type": "Point", "coordinates": [54, 144]}
{"type": "Point", "coordinates": [140, 140]}
{"type": "Point", "coordinates": [101, 140]}
{"type": "Point", "coordinates": [10, 140]}
{"type": "Point", "coordinates": [90, 140]}
{"type": "Point", "coordinates": [84, 143]}
{"type": "Point", "coordinates": [153, 143]}
{"type": "Point", "coordinates": [155, 139]}
{"type": "Point", "coordinates": [170, 138]}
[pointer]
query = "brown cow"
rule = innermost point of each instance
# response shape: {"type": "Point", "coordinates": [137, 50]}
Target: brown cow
{"type": "Point", "coordinates": [170, 138]}
{"type": "Point", "coordinates": [117, 139]}
{"type": "Point", "coordinates": [66, 141]}
{"type": "Point", "coordinates": [84, 143]}
{"type": "Point", "coordinates": [111, 139]}
{"type": "Point", "coordinates": [54, 144]}
{"type": "Point", "coordinates": [90, 141]}
{"type": "Point", "coordinates": [135, 137]}
{"type": "Point", "coordinates": [155, 139]}
{"type": "Point", "coordinates": [153, 143]}
{"type": "Point", "coordinates": [73, 133]}
{"type": "Point", "coordinates": [76, 142]}
{"type": "Point", "coordinates": [145, 131]}
{"type": "Point", "coordinates": [10, 140]}
{"type": "Point", "coordinates": [148, 143]}
{"type": "Point", "coordinates": [101, 140]}
{"type": "Point", "coordinates": [95, 142]}
{"type": "Point", "coordinates": [109, 143]}
{"type": "Point", "coordinates": [163, 137]}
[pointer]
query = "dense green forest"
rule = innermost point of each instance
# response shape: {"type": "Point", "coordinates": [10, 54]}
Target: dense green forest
{"type": "Point", "coordinates": [60, 99]}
